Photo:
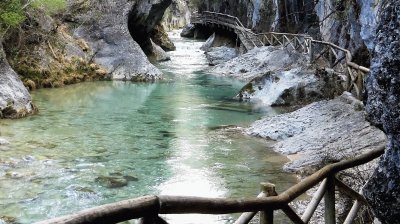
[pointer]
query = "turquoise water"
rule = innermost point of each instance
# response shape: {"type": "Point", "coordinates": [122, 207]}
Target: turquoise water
{"type": "Point", "coordinates": [101, 142]}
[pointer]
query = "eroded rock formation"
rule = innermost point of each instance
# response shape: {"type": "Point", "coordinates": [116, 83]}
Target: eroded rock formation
{"type": "Point", "coordinates": [383, 107]}
{"type": "Point", "coordinates": [109, 27]}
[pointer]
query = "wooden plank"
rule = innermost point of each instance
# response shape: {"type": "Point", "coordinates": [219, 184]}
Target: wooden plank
{"type": "Point", "coordinates": [112, 213]}
{"type": "Point", "coordinates": [342, 187]}
{"type": "Point", "coordinates": [289, 211]}
{"type": "Point", "coordinates": [353, 213]}
{"type": "Point", "coordinates": [267, 216]}
{"type": "Point", "coordinates": [248, 216]}
{"type": "Point", "coordinates": [329, 199]}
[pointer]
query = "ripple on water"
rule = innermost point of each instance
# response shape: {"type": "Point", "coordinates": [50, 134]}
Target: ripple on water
{"type": "Point", "coordinates": [101, 142]}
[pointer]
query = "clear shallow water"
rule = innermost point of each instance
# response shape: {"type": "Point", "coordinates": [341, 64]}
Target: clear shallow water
{"type": "Point", "coordinates": [101, 142]}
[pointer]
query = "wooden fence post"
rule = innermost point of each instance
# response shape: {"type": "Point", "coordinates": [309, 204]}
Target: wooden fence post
{"type": "Point", "coordinates": [310, 51]}
{"type": "Point", "coordinates": [329, 199]}
{"type": "Point", "coordinates": [267, 217]}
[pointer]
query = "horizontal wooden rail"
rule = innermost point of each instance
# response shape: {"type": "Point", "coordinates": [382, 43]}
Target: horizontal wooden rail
{"type": "Point", "coordinates": [153, 205]}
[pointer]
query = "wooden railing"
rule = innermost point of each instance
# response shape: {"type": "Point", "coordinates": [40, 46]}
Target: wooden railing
{"type": "Point", "coordinates": [231, 22]}
{"type": "Point", "coordinates": [339, 59]}
{"type": "Point", "coordinates": [148, 208]}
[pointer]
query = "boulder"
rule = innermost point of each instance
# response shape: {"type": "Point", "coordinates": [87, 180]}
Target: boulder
{"type": "Point", "coordinates": [15, 100]}
{"type": "Point", "coordinates": [158, 54]}
{"type": "Point", "coordinates": [320, 133]}
{"type": "Point", "coordinates": [383, 107]}
{"type": "Point", "coordinates": [188, 31]}
{"type": "Point", "coordinates": [160, 37]}
{"type": "Point", "coordinates": [260, 61]}
{"type": "Point", "coordinates": [4, 141]}
{"type": "Point", "coordinates": [291, 88]}
{"type": "Point", "coordinates": [218, 55]}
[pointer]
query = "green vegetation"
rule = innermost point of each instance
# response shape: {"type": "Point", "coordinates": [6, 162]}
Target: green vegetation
{"type": "Point", "coordinates": [49, 6]}
{"type": "Point", "coordinates": [13, 12]}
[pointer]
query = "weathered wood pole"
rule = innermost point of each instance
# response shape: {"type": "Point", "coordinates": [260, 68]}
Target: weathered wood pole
{"type": "Point", "coordinates": [329, 199]}
{"type": "Point", "coordinates": [310, 50]}
{"type": "Point", "coordinates": [267, 217]}
{"type": "Point", "coordinates": [360, 84]}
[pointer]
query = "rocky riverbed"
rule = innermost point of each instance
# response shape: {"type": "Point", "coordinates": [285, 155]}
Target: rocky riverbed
{"type": "Point", "coordinates": [320, 133]}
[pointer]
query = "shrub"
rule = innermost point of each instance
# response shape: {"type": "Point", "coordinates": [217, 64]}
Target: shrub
{"type": "Point", "coordinates": [12, 12]}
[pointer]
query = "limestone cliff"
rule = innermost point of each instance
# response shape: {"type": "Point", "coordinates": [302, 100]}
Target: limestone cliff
{"type": "Point", "coordinates": [383, 107]}
{"type": "Point", "coordinates": [109, 27]}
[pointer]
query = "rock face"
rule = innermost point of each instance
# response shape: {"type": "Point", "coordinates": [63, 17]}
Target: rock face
{"type": "Point", "coordinates": [349, 24]}
{"type": "Point", "coordinates": [322, 132]}
{"type": "Point", "coordinates": [265, 15]}
{"type": "Point", "coordinates": [143, 17]}
{"type": "Point", "coordinates": [15, 100]}
{"type": "Point", "coordinates": [382, 104]}
{"type": "Point", "coordinates": [177, 15]}
{"type": "Point", "coordinates": [106, 30]}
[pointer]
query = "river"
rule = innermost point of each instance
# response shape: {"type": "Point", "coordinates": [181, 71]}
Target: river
{"type": "Point", "coordinates": [101, 142]}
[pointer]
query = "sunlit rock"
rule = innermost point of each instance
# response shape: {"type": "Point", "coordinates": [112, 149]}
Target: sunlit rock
{"type": "Point", "coordinates": [321, 132]}
{"type": "Point", "coordinates": [15, 100]}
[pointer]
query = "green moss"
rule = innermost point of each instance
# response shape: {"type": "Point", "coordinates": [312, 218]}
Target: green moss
{"type": "Point", "coordinates": [248, 88]}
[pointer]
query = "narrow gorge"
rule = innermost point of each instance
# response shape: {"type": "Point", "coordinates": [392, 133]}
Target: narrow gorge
{"type": "Point", "coordinates": [107, 101]}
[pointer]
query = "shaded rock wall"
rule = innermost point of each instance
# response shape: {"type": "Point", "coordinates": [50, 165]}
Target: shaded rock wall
{"type": "Point", "coordinates": [383, 107]}
{"type": "Point", "coordinates": [143, 17]}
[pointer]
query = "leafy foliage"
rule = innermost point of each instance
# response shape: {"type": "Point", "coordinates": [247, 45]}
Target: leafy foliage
{"type": "Point", "coordinates": [12, 12]}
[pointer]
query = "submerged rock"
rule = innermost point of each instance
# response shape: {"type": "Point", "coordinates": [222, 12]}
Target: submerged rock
{"type": "Point", "coordinates": [218, 55]}
{"type": "Point", "coordinates": [115, 180]}
{"type": "Point", "coordinates": [4, 141]}
{"type": "Point", "coordinates": [320, 133]}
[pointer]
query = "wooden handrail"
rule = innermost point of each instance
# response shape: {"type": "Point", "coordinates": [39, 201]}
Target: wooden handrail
{"type": "Point", "coordinates": [354, 82]}
{"type": "Point", "coordinates": [153, 205]}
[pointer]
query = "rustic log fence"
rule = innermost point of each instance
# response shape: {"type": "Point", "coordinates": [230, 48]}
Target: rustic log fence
{"type": "Point", "coordinates": [339, 59]}
{"type": "Point", "coordinates": [148, 208]}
